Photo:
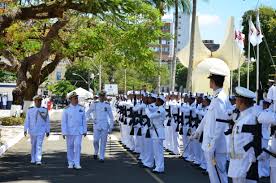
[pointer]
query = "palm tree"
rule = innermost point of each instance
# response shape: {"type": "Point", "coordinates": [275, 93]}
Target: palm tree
{"type": "Point", "coordinates": [191, 57]}
{"type": "Point", "coordinates": [185, 6]}
{"type": "Point", "coordinates": [192, 42]}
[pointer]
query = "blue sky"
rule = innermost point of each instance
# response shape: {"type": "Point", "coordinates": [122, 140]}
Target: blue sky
{"type": "Point", "coordinates": [213, 15]}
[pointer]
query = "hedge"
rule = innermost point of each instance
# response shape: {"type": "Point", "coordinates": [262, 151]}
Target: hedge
{"type": "Point", "coordinates": [11, 121]}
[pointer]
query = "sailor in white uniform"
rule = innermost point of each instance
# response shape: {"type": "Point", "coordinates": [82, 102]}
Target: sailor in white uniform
{"type": "Point", "coordinates": [214, 141]}
{"type": "Point", "coordinates": [157, 130]}
{"type": "Point", "coordinates": [37, 124]}
{"type": "Point", "coordinates": [73, 127]}
{"type": "Point", "coordinates": [241, 158]}
{"type": "Point", "coordinates": [103, 124]}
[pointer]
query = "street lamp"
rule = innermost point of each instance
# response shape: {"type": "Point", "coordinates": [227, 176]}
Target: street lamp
{"type": "Point", "coordinates": [87, 82]}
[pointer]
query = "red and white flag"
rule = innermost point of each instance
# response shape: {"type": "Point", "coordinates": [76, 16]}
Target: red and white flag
{"type": "Point", "coordinates": [239, 37]}
{"type": "Point", "coordinates": [260, 36]}
{"type": "Point", "coordinates": [252, 33]}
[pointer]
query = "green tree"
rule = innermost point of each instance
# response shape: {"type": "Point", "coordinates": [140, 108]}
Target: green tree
{"type": "Point", "coordinates": [61, 88]}
{"type": "Point", "coordinates": [34, 43]}
{"type": "Point", "coordinates": [268, 25]}
{"type": "Point", "coordinates": [183, 5]}
{"type": "Point", "coordinates": [7, 77]}
{"type": "Point", "coordinates": [181, 76]}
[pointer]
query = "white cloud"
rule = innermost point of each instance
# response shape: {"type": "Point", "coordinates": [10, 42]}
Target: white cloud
{"type": "Point", "coordinates": [207, 20]}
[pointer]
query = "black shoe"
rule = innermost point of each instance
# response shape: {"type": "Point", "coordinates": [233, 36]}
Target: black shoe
{"type": "Point", "coordinates": [156, 172]}
{"type": "Point", "coordinates": [95, 157]}
{"type": "Point", "coordinates": [204, 172]}
{"type": "Point", "coordinates": [101, 161]}
{"type": "Point", "coordinates": [171, 153]}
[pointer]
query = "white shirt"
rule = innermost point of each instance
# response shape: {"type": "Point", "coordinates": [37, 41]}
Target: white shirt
{"type": "Point", "coordinates": [157, 118]}
{"type": "Point", "coordinates": [73, 120]}
{"type": "Point", "coordinates": [213, 136]}
{"type": "Point", "coordinates": [102, 115]}
{"type": "Point", "coordinates": [37, 121]}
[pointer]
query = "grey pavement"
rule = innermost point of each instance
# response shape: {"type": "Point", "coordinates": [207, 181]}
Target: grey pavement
{"type": "Point", "coordinates": [120, 166]}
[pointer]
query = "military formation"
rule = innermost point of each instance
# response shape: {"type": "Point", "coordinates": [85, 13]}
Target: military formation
{"type": "Point", "coordinates": [225, 136]}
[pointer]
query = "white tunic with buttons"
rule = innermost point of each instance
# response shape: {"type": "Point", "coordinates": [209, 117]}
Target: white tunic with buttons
{"type": "Point", "coordinates": [213, 136]}
{"type": "Point", "coordinates": [102, 115]}
{"type": "Point", "coordinates": [157, 118]}
{"type": "Point", "coordinates": [73, 120]}
{"type": "Point", "coordinates": [240, 160]}
{"type": "Point", "coordinates": [37, 121]}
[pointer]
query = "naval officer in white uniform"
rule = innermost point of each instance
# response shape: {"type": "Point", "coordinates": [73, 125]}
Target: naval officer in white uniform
{"type": "Point", "coordinates": [103, 124]}
{"type": "Point", "coordinates": [73, 127]}
{"type": "Point", "coordinates": [214, 141]}
{"type": "Point", "coordinates": [37, 124]}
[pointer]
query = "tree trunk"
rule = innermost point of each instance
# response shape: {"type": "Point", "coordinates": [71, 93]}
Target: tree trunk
{"type": "Point", "coordinates": [189, 83]}
{"type": "Point", "coordinates": [175, 46]}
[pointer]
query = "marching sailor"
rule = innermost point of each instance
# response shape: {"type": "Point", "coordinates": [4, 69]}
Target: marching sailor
{"type": "Point", "coordinates": [103, 124]}
{"type": "Point", "coordinates": [73, 127]}
{"type": "Point", "coordinates": [37, 124]}
{"type": "Point", "coordinates": [158, 133]}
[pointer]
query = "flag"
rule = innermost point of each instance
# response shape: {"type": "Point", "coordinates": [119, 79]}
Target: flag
{"type": "Point", "coordinates": [239, 37]}
{"type": "Point", "coordinates": [252, 33]}
{"type": "Point", "coordinates": [260, 36]}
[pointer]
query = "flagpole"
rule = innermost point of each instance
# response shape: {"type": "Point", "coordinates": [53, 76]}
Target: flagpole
{"type": "Point", "coordinates": [248, 52]}
{"type": "Point", "coordinates": [239, 80]}
{"type": "Point", "coordinates": [257, 60]}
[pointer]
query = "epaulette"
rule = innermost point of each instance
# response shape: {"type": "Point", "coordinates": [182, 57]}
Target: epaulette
{"type": "Point", "coordinates": [107, 103]}
{"type": "Point", "coordinates": [44, 107]}
{"type": "Point", "coordinates": [96, 102]}
{"type": "Point", "coordinates": [66, 107]}
{"type": "Point", "coordinates": [81, 105]}
{"type": "Point", "coordinates": [31, 107]}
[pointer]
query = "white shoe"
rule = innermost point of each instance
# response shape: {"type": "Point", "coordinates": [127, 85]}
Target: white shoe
{"type": "Point", "coordinates": [70, 166]}
{"type": "Point", "coordinates": [77, 167]}
{"type": "Point", "coordinates": [38, 163]}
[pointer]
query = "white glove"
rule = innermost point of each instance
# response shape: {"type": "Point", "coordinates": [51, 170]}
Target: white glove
{"type": "Point", "coordinates": [195, 135]}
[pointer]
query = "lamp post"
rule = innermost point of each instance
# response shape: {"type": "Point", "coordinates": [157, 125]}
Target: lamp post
{"type": "Point", "coordinates": [87, 82]}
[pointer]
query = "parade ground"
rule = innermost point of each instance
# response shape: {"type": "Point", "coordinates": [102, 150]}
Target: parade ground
{"type": "Point", "coordinates": [119, 166]}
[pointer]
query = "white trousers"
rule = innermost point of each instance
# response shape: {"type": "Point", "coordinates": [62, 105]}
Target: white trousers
{"type": "Point", "coordinates": [36, 152]}
{"type": "Point", "coordinates": [220, 169]}
{"type": "Point", "coordinates": [242, 180]}
{"type": "Point", "coordinates": [158, 155]}
{"type": "Point", "coordinates": [148, 158]}
{"type": "Point", "coordinates": [273, 174]}
{"type": "Point", "coordinates": [99, 142]}
{"type": "Point", "coordinates": [175, 139]}
{"type": "Point", "coordinates": [73, 149]}
{"type": "Point", "coordinates": [186, 142]}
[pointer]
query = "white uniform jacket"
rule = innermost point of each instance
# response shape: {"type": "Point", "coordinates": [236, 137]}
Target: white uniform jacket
{"type": "Point", "coordinates": [240, 160]}
{"type": "Point", "coordinates": [37, 121]}
{"type": "Point", "coordinates": [213, 137]}
{"type": "Point", "coordinates": [102, 115]}
{"type": "Point", "coordinates": [73, 120]}
{"type": "Point", "coordinates": [157, 119]}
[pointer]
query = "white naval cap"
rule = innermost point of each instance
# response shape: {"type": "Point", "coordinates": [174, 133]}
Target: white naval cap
{"type": "Point", "coordinates": [267, 100]}
{"type": "Point", "coordinates": [162, 98]}
{"type": "Point", "coordinates": [153, 95]}
{"type": "Point", "coordinates": [73, 94]}
{"type": "Point", "coordinates": [245, 93]}
{"type": "Point", "coordinates": [215, 71]}
{"type": "Point", "coordinates": [37, 97]}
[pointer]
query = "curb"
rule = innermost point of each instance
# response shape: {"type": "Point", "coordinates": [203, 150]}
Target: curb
{"type": "Point", "coordinates": [10, 143]}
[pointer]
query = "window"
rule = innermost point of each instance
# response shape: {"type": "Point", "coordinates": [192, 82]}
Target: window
{"type": "Point", "coordinates": [178, 42]}
{"type": "Point", "coordinates": [179, 35]}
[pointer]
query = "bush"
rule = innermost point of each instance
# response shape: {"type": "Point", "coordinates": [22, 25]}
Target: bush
{"type": "Point", "coordinates": [11, 121]}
